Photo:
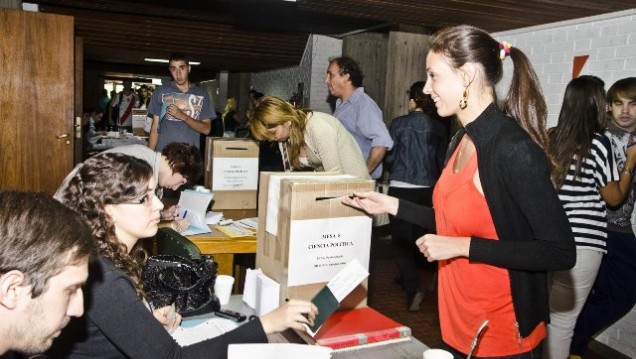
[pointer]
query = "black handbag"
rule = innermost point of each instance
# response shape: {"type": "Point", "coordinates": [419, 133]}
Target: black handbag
{"type": "Point", "coordinates": [186, 282]}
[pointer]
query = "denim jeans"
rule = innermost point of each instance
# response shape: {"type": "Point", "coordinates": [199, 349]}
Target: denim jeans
{"type": "Point", "coordinates": [613, 294]}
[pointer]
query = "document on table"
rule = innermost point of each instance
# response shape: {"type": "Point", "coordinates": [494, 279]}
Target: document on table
{"type": "Point", "coordinates": [278, 351]}
{"type": "Point", "coordinates": [193, 206]}
{"type": "Point", "coordinates": [196, 330]}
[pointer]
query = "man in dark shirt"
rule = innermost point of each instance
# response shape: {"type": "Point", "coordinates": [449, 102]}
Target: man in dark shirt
{"type": "Point", "coordinates": [44, 253]}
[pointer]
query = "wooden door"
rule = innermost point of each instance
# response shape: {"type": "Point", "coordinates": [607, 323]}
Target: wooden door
{"type": "Point", "coordinates": [36, 100]}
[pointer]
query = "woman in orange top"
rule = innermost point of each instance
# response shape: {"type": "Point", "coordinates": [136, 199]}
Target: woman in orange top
{"type": "Point", "coordinates": [500, 226]}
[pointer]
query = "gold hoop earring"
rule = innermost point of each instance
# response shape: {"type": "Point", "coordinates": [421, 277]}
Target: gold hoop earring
{"type": "Point", "coordinates": [463, 103]}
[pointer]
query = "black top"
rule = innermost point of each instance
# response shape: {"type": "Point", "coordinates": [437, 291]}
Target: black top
{"type": "Point", "coordinates": [533, 230]}
{"type": "Point", "coordinates": [117, 324]}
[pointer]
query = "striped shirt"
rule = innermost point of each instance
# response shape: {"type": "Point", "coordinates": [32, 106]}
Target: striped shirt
{"type": "Point", "coordinates": [581, 199]}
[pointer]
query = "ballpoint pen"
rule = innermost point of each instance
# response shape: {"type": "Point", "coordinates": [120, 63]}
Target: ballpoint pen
{"type": "Point", "coordinates": [185, 213]}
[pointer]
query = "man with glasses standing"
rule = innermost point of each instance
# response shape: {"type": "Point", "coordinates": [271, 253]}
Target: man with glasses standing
{"type": "Point", "coordinates": [181, 111]}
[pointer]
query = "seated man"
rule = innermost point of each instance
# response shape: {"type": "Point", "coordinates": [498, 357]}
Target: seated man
{"type": "Point", "coordinates": [44, 253]}
{"type": "Point", "coordinates": [173, 167]}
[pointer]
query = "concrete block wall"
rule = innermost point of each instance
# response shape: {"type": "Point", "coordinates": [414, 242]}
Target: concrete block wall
{"type": "Point", "coordinates": [610, 42]}
{"type": "Point", "coordinates": [281, 82]}
{"type": "Point", "coordinates": [311, 72]}
{"type": "Point", "coordinates": [324, 48]}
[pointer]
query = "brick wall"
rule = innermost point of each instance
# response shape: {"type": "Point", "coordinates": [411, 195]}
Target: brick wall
{"type": "Point", "coordinates": [610, 42]}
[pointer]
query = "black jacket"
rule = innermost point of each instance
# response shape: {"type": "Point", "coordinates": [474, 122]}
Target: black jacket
{"type": "Point", "coordinates": [419, 148]}
{"type": "Point", "coordinates": [533, 230]}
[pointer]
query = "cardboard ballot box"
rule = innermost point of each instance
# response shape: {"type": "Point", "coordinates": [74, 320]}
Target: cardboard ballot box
{"type": "Point", "coordinates": [139, 121]}
{"type": "Point", "coordinates": [231, 172]}
{"type": "Point", "coordinates": [306, 235]}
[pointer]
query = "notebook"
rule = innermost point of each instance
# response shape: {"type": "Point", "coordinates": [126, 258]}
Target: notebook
{"type": "Point", "coordinates": [358, 328]}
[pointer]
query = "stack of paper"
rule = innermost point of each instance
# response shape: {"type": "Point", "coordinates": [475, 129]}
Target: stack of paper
{"type": "Point", "coordinates": [194, 330]}
{"type": "Point", "coordinates": [193, 206]}
{"type": "Point", "coordinates": [277, 351]}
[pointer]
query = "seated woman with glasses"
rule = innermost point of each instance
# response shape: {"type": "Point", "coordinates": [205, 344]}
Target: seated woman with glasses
{"type": "Point", "coordinates": [118, 197]}
{"type": "Point", "coordinates": [310, 140]}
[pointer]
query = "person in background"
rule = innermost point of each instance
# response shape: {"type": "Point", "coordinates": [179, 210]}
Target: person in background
{"type": "Point", "coordinates": [111, 112]}
{"type": "Point", "coordinates": [500, 225]}
{"type": "Point", "coordinates": [310, 139]}
{"type": "Point", "coordinates": [117, 196]}
{"type": "Point", "coordinates": [359, 114]}
{"type": "Point", "coordinates": [123, 104]}
{"type": "Point", "coordinates": [44, 253]}
{"type": "Point", "coordinates": [103, 100]}
{"type": "Point", "coordinates": [231, 117]}
{"type": "Point", "coordinates": [414, 164]}
{"type": "Point", "coordinates": [614, 293]}
{"type": "Point", "coordinates": [144, 97]}
{"type": "Point", "coordinates": [586, 179]}
{"type": "Point", "coordinates": [181, 111]}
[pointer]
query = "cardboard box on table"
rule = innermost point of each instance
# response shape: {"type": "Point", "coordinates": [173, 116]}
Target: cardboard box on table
{"type": "Point", "coordinates": [231, 172]}
{"type": "Point", "coordinates": [310, 241]}
{"type": "Point", "coordinates": [139, 122]}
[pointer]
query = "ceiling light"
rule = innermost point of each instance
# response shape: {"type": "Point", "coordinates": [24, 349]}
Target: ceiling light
{"type": "Point", "coordinates": [165, 61]}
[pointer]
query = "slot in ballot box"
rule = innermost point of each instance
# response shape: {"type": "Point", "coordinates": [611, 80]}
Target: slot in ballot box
{"type": "Point", "coordinates": [306, 235]}
{"type": "Point", "coordinates": [231, 172]}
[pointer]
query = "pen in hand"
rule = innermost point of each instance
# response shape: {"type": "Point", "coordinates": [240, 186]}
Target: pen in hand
{"type": "Point", "coordinates": [185, 213]}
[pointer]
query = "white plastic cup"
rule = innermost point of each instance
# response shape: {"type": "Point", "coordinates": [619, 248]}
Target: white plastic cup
{"type": "Point", "coordinates": [437, 354]}
{"type": "Point", "coordinates": [223, 288]}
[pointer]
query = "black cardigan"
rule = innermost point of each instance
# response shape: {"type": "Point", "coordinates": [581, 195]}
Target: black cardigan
{"type": "Point", "coordinates": [533, 230]}
{"type": "Point", "coordinates": [117, 324]}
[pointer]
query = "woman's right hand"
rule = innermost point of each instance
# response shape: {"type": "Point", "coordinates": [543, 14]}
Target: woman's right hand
{"type": "Point", "coordinates": [372, 202]}
{"type": "Point", "coordinates": [292, 314]}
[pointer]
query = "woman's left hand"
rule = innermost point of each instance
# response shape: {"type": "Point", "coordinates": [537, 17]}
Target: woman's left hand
{"type": "Point", "coordinates": [168, 317]}
{"type": "Point", "coordinates": [437, 248]}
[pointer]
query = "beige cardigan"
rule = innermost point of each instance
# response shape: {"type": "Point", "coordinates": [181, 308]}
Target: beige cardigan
{"type": "Point", "coordinates": [331, 148]}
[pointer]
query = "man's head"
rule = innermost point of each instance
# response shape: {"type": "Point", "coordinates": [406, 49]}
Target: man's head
{"type": "Point", "coordinates": [179, 67]}
{"type": "Point", "coordinates": [343, 76]}
{"type": "Point", "coordinates": [97, 114]}
{"type": "Point", "coordinates": [621, 99]}
{"type": "Point", "coordinates": [44, 253]}
{"type": "Point", "coordinates": [185, 164]}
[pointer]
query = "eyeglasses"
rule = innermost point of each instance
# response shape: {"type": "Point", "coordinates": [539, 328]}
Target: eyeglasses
{"type": "Point", "coordinates": [146, 200]}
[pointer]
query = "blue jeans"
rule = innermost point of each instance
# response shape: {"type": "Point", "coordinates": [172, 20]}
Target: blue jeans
{"type": "Point", "coordinates": [535, 353]}
{"type": "Point", "coordinates": [613, 294]}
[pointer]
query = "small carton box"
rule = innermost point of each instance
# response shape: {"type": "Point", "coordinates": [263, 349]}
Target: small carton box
{"type": "Point", "coordinates": [231, 172]}
{"type": "Point", "coordinates": [139, 121]}
{"type": "Point", "coordinates": [306, 235]}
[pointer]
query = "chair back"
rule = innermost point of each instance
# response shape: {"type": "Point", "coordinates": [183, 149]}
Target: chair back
{"type": "Point", "coordinates": [171, 242]}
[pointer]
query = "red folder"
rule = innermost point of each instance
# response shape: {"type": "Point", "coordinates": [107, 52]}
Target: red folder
{"type": "Point", "coordinates": [359, 327]}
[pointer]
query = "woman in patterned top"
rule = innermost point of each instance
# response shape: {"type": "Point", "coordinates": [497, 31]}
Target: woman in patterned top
{"type": "Point", "coordinates": [586, 179]}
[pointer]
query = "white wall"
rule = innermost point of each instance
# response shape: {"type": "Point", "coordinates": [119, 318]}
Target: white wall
{"type": "Point", "coordinates": [610, 42]}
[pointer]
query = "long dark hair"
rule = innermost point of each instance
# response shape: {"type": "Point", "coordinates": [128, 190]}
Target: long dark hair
{"type": "Point", "coordinates": [524, 101]}
{"type": "Point", "coordinates": [110, 178]}
{"type": "Point", "coordinates": [582, 114]}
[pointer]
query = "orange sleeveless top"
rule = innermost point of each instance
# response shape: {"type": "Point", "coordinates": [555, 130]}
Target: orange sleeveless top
{"type": "Point", "coordinates": [470, 292]}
